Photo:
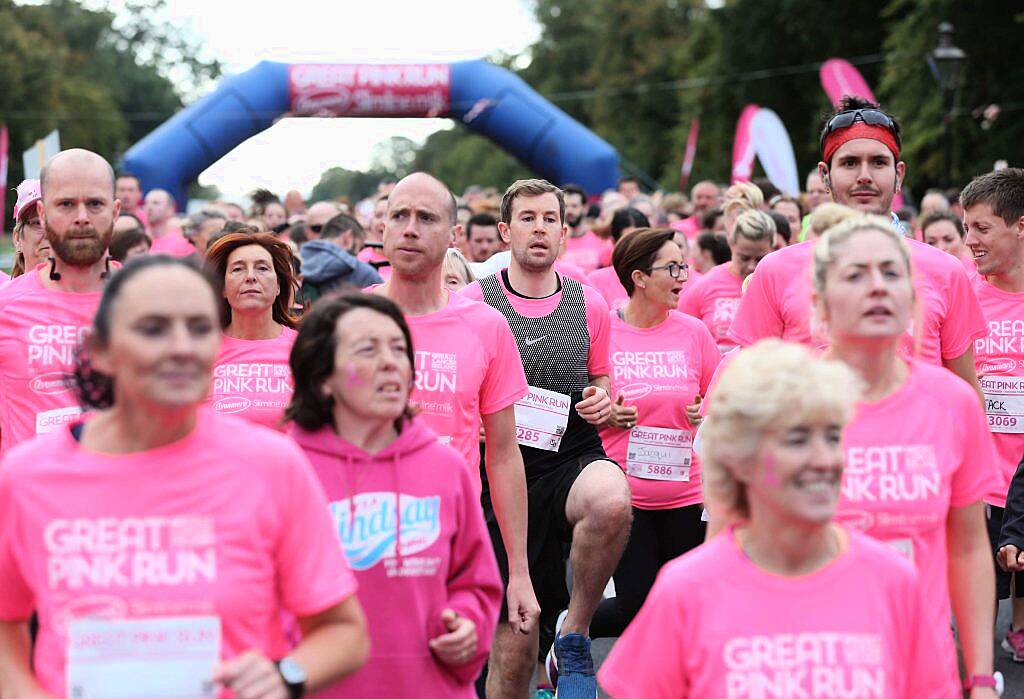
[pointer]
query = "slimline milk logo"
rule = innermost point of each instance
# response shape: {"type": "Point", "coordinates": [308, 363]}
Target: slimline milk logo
{"type": "Point", "coordinates": [435, 381]}
{"type": "Point", "coordinates": [805, 665]}
{"type": "Point", "coordinates": [368, 526]}
{"type": "Point", "coordinates": [637, 374]}
{"type": "Point", "coordinates": [112, 552]}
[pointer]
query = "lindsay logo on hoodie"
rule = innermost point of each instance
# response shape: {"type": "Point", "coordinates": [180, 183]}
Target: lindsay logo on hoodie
{"type": "Point", "coordinates": [368, 530]}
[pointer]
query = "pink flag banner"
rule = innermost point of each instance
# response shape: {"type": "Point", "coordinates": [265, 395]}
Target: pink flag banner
{"type": "Point", "coordinates": [689, 155]}
{"type": "Point", "coordinates": [743, 145]}
{"type": "Point", "coordinates": [839, 78]}
{"type": "Point", "coordinates": [775, 151]}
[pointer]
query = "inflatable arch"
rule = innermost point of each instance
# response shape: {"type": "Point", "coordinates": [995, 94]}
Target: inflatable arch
{"type": "Point", "coordinates": [488, 99]}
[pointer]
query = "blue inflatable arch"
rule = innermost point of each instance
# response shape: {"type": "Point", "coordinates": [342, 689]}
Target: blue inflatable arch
{"type": "Point", "coordinates": [488, 99]}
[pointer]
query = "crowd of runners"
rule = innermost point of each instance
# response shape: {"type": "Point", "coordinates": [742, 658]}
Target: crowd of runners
{"type": "Point", "coordinates": [770, 444]}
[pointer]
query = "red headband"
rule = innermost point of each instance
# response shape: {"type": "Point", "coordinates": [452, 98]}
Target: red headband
{"type": "Point", "coordinates": [859, 129]}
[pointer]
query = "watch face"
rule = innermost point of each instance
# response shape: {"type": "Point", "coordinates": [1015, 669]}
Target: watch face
{"type": "Point", "coordinates": [291, 671]}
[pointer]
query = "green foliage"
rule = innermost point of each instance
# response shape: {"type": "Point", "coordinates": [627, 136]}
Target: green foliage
{"type": "Point", "coordinates": [338, 182]}
{"type": "Point", "coordinates": [105, 82]}
{"type": "Point", "coordinates": [461, 158]}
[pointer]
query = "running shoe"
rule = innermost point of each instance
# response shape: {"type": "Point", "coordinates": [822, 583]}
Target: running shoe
{"type": "Point", "coordinates": [551, 662]}
{"type": "Point", "coordinates": [572, 665]}
{"type": "Point", "coordinates": [1012, 644]}
{"type": "Point", "coordinates": [544, 693]}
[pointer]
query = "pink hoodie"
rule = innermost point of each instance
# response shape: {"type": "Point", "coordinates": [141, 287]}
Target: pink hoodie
{"type": "Point", "coordinates": [445, 559]}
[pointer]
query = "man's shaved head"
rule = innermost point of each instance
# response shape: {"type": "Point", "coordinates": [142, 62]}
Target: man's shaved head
{"type": "Point", "coordinates": [423, 177]}
{"type": "Point", "coordinates": [74, 160]}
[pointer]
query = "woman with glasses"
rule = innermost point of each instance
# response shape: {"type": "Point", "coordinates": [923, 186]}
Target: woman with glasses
{"type": "Point", "coordinates": [662, 362]}
{"type": "Point", "coordinates": [715, 298]}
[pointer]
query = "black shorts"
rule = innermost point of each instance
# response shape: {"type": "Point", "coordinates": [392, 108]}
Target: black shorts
{"type": "Point", "coordinates": [549, 479]}
{"type": "Point", "coordinates": [994, 522]}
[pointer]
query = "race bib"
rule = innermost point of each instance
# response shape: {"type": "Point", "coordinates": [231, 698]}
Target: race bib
{"type": "Point", "coordinates": [1004, 403]}
{"type": "Point", "coordinates": [659, 453]}
{"type": "Point", "coordinates": [158, 658]}
{"type": "Point", "coordinates": [541, 418]}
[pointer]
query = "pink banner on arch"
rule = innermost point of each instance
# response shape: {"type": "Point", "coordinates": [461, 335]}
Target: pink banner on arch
{"type": "Point", "coordinates": [743, 151]}
{"type": "Point", "coordinates": [414, 90]}
{"type": "Point", "coordinates": [839, 78]}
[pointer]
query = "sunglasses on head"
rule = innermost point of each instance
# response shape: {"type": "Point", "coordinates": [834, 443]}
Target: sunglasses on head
{"type": "Point", "coordinates": [872, 117]}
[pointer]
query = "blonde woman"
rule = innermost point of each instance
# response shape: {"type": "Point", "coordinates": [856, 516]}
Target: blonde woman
{"type": "Point", "coordinates": [740, 197]}
{"type": "Point", "coordinates": [784, 595]}
{"type": "Point", "coordinates": [919, 456]}
{"type": "Point", "coordinates": [456, 272]}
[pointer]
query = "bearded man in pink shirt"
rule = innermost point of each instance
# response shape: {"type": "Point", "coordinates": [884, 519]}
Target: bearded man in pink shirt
{"type": "Point", "coordinates": [167, 237]}
{"type": "Point", "coordinates": [468, 370]}
{"type": "Point", "coordinates": [861, 167]}
{"type": "Point", "coordinates": [45, 312]}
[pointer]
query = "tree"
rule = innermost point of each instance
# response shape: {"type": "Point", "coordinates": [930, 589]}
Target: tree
{"type": "Point", "coordinates": [338, 182]}
{"type": "Point", "coordinates": [56, 66]}
{"type": "Point", "coordinates": [986, 30]}
{"type": "Point", "coordinates": [461, 158]}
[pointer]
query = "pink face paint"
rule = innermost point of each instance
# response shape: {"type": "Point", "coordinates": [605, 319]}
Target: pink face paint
{"type": "Point", "coordinates": [353, 376]}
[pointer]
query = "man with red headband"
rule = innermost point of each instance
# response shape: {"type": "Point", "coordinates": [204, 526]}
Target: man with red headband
{"type": "Point", "coordinates": [861, 168]}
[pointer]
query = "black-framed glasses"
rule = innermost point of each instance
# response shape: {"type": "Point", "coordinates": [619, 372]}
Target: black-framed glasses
{"type": "Point", "coordinates": [873, 117]}
{"type": "Point", "coordinates": [674, 269]}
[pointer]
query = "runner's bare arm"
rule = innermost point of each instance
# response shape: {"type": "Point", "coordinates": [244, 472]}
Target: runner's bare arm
{"type": "Point", "coordinates": [507, 478]}
{"type": "Point", "coordinates": [16, 679]}
{"type": "Point", "coordinates": [963, 366]}
{"type": "Point", "coordinates": [971, 585]}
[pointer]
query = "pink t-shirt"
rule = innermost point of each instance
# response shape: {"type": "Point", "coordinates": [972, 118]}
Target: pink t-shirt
{"type": "Point", "coordinates": [777, 303]}
{"type": "Point", "coordinates": [467, 365]}
{"type": "Point", "coordinates": [607, 283]}
{"type": "Point", "coordinates": [39, 332]}
{"type": "Point", "coordinates": [173, 244]}
{"type": "Point", "coordinates": [910, 457]}
{"type": "Point", "coordinates": [689, 226]}
{"type": "Point", "coordinates": [999, 359]}
{"type": "Point", "coordinates": [714, 300]}
{"type": "Point", "coordinates": [588, 252]}
{"type": "Point", "coordinates": [659, 370]}
{"type": "Point", "coordinates": [228, 522]}
{"type": "Point", "coordinates": [597, 318]}
{"type": "Point", "coordinates": [252, 378]}
{"type": "Point", "coordinates": [716, 626]}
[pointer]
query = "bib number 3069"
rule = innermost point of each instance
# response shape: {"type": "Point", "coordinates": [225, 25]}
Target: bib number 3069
{"type": "Point", "coordinates": [1004, 403]}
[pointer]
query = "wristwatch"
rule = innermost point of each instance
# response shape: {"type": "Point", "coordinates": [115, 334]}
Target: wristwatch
{"type": "Point", "coordinates": [995, 681]}
{"type": "Point", "coordinates": [294, 677]}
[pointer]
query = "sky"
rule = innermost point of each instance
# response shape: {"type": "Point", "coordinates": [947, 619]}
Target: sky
{"type": "Point", "coordinates": [294, 152]}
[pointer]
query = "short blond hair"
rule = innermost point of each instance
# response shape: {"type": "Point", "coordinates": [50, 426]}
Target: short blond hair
{"type": "Point", "coordinates": [456, 262]}
{"type": "Point", "coordinates": [743, 196]}
{"type": "Point", "coordinates": [755, 226]}
{"type": "Point", "coordinates": [769, 386]}
{"type": "Point", "coordinates": [827, 215]}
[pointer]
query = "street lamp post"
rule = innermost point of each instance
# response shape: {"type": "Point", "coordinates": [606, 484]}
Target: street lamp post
{"type": "Point", "coordinates": [946, 62]}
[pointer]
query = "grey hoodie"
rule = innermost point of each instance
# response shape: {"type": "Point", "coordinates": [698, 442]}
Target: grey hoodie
{"type": "Point", "coordinates": [326, 266]}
